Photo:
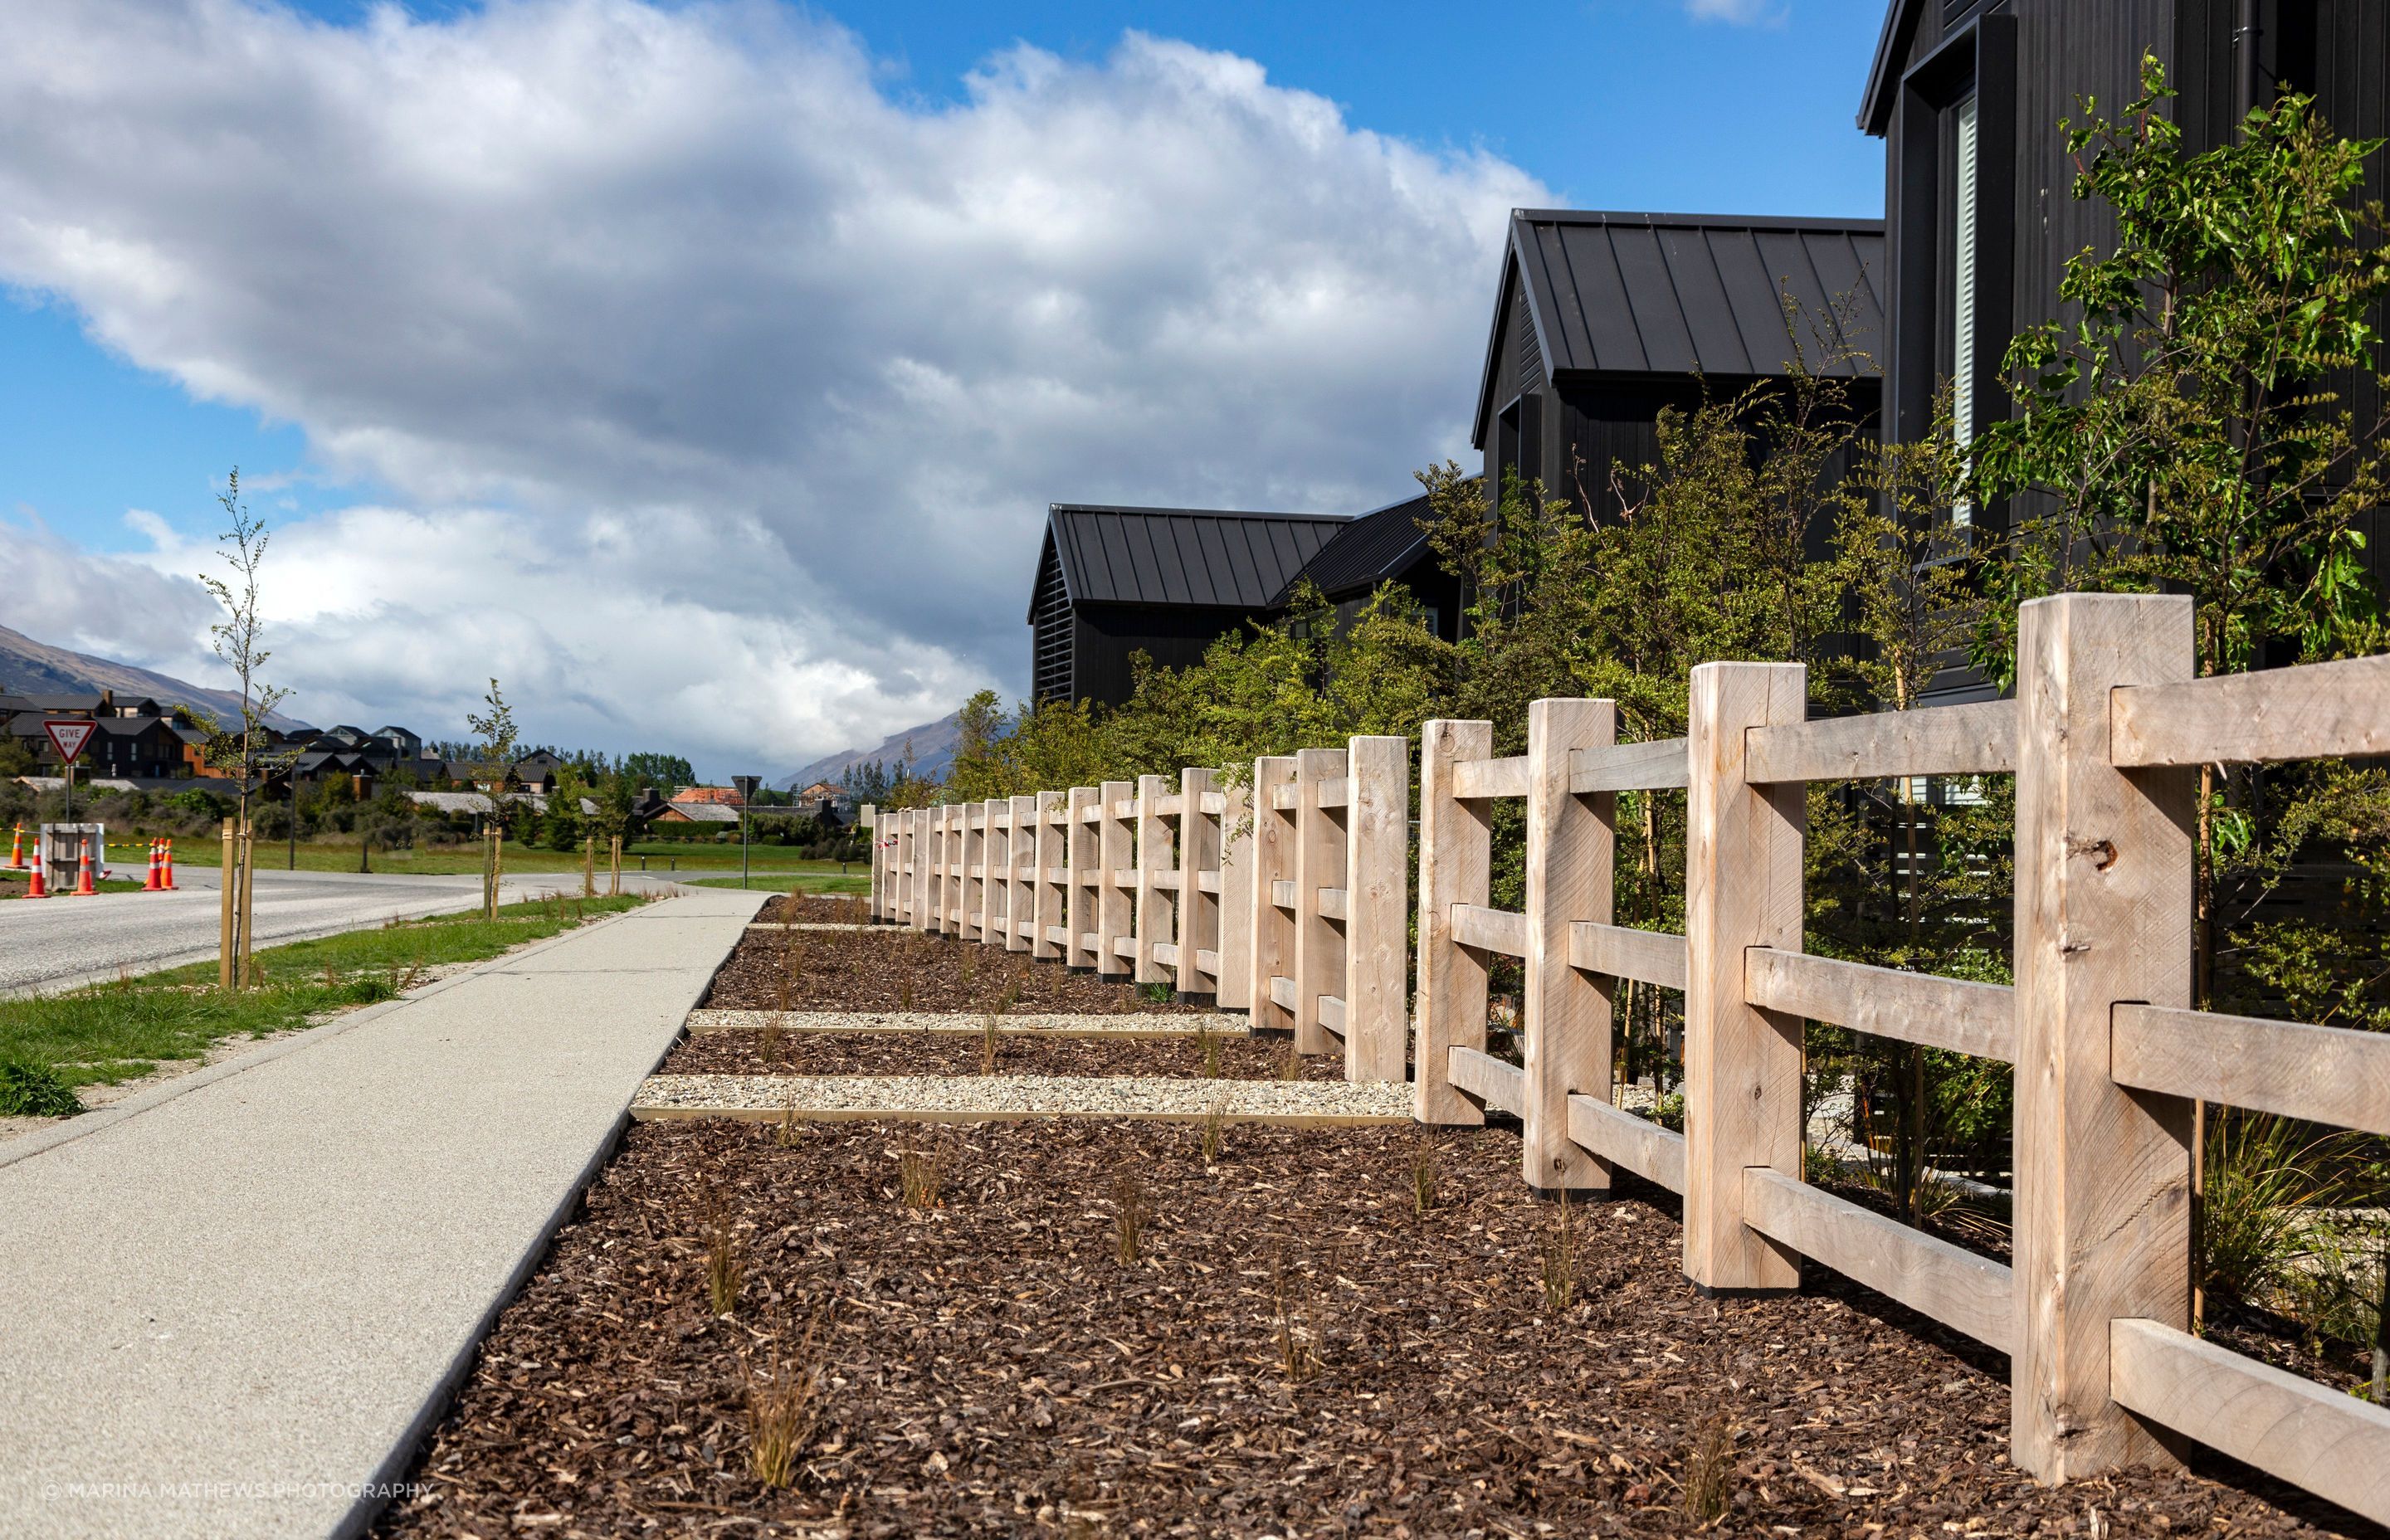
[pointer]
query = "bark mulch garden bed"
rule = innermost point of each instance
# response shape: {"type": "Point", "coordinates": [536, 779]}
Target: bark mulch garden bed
{"type": "Point", "coordinates": [814, 909]}
{"type": "Point", "coordinates": [1293, 1350]}
{"type": "Point", "coordinates": [886, 968]}
{"type": "Point", "coordinates": [747, 1052]}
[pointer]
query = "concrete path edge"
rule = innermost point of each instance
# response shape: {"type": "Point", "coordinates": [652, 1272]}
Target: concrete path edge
{"type": "Point", "coordinates": [395, 1464]}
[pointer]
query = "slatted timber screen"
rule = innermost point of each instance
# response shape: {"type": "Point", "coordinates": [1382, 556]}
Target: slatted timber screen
{"type": "Point", "coordinates": [2105, 736]}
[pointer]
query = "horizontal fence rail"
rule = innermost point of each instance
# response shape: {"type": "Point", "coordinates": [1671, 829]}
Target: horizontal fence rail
{"type": "Point", "coordinates": [1287, 897]}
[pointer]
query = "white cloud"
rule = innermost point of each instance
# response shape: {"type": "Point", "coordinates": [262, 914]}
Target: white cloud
{"type": "Point", "coordinates": [722, 395]}
{"type": "Point", "coordinates": [1739, 13]}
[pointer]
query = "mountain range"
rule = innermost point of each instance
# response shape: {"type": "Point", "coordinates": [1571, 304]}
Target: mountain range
{"type": "Point", "coordinates": [930, 747]}
{"type": "Point", "coordinates": [28, 667]}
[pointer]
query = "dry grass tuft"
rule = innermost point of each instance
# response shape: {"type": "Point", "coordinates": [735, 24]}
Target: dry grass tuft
{"type": "Point", "coordinates": [773, 1038]}
{"type": "Point", "coordinates": [1215, 1118]}
{"type": "Point", "coordinates": [1208, 1043]}
{"type": "Point", "coordinates": [1427, 1170]}
{"type": "Point", "coordinates": [1706, 1472]}
{"type": "Point", "coordinates": [1290, 1067]}
{"type": "Point", "coordinates": [1128, 1215]}
{"type": "Point", "coordinates": [990, 1036]}
{"type": "Point", "coordinates": [1558, 1253]}
{"type": "Point", "coordinates": [783, 1408]}
{"type": "Point", "coordinates": [723, 1268]}
{"type": "Point", "coordinates": [1297, 1355]}
{"type": "Point", "coordinates": [922, 1174]}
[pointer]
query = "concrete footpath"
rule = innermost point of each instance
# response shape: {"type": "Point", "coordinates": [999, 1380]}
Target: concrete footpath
{"type": "Point", "coordinates": [234, 1310]}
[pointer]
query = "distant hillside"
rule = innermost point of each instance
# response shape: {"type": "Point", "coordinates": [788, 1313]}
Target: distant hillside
{"type": "Point", "coordinates": [931, 746]}
{"type": "Point", "coordinates": [28, 667]}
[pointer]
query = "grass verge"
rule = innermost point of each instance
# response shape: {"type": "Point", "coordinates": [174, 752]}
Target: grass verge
{"type": "Point", "coordinates": [109, 1033]}
{"type": "Point", "coordinates": [793, 883]}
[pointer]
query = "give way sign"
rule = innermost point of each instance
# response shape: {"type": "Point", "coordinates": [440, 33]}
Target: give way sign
{"type": "Point", "coordinates": [69, 738]}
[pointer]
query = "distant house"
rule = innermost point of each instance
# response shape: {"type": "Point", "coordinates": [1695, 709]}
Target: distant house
{"type": "Point", "coordinates": [701, 804]}
{"type": "Point", "coordinates": [1115, 581]}
{"type": "Point", "coordinates": [1387, 545]}
{"type": "Point", "coordinates": [133, 738]}
{"type": "Point", "coordinates": [537, 771]}
{"type": "Point", "coordinates": [1602, 320]}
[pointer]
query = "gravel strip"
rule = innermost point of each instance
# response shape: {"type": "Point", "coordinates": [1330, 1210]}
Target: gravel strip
{"type": "Point", "coordinates": [949, 1021]}
{"type": "Point", "coordinates": [969, 1097]}
{"type": "Point", "coordinates": [806, 925]}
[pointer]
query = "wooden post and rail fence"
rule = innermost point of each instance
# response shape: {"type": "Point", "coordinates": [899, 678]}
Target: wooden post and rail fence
{"type": "Point", "coordinates": [1287, 898]}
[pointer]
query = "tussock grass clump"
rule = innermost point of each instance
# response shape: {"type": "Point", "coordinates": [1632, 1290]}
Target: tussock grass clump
{"type": "Point", "coordinates": [773, 1039]}
{"type": "Point", "coordinates": [921, 1176]}
{"type": "Point", "coordinates": [1427, 1170]}
{"type": "Point", "coordinates": [791, 1130]}
{"type": "Point", "coordinates": [1556, 1252]}
{"type": "Point", "coordinates": [1207, 1042]}
{"type": "Point", "coordinates": [990, 1036]}
{"type": "Point", "coordinates": [1706, 1472]}
{"type": "Point", "coordinates": [725, 1269]}
{"type": "Point", "coordinates": [1298, 1353]}
{"type": "Point", "coordinates": [29, 1090]}
{"type": "Point", "coordinates": [783, 1407]}
{"type": "Point", "coordinates": [1215, 1135]}
{"type": "Point", "coordinates": [1128, 1215]}
{"type": "Point", "coordinates": [1290, 1067]}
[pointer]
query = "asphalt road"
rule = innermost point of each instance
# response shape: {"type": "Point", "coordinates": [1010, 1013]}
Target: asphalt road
{"type": "Point", "coordinates": [62, 941]}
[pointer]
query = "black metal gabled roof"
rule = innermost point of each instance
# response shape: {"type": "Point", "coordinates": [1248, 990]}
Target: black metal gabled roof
{"type": "Point", "coordinates": [1367, 551]}
{"type": "Point", "coordinates": [1645, 294]}
{"type": "Point", "coordinates": [1203, 556]}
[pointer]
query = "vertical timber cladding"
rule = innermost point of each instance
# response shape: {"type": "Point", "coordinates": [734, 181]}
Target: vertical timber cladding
{"type": "Point", "coordinates": [1273, 863]}
{"type": "Point", "coordinates": [1319, 864]}
{"type": "Point", "coordinates": [2104, 916]}
{"type": "Point", "coordinates": [1199, 903]}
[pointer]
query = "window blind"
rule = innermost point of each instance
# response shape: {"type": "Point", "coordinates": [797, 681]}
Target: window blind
{"type": "Point", "coordinates": [1962, 291]}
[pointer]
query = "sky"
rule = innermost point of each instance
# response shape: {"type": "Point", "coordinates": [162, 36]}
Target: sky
{"type": "Point", "coordinates": [702, 370]}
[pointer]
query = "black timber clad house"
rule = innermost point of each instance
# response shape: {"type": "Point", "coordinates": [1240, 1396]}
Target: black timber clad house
{"type": "Point", "coordinates": [1387, 545]}
{"type": "Point", "coordinates": [1603, 319]}
{"type": "Point", "coordinates": [1113, 581]}
{"type": "Point", "coordinates": [1981, 216]}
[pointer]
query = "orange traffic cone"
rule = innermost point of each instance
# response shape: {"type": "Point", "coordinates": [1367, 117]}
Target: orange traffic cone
{"type": "Point", "coordinates": [36, 887]}
{"type": "Point", "coordinates": [152, 885]}
{"type": "Point", "coordinates": [83, 871]}
{"type": "Point", "coordinates": [17, 850]}
{"type": "Point", "coordinates": [168, 865]}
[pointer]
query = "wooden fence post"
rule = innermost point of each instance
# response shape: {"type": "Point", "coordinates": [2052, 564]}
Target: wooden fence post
{"type": "Point", "coordinates": [996, 861]}
{"type": "Point", "coordinates": [2104, 915]}
{"type": "Point", "coordinates": [1023, 878]}
{"type": "Point", "coordinates": [1318, 863]}
{"type": "Point", "coordinates": [1742, 889]}
{"type": "Point", "coordinates": [1199, 907]}
{"type": "Point", "coordinates": [931, 842]}
{"type": "Point", "coordinates": [964, 851]}
{"type": "Point", "coordinates": [1236, 976]}
{"type": "Point", "coordinates": [1157, 908]}
{"type": "Point", "coordinates": [1377, 909]}
{"type": "Point", "coordinates": [1566, 1013]}
{"type": "Point", "coordinates": [1082, 843]}
{"type": "Point", "coordinates": [1052, 837]}
{"type": "Point", "coordinates": [1273, 938]}
{"type": "Point", "coordinates": [1456, 854]}
{"type": "Point", "coordinates": [1116, 855]}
